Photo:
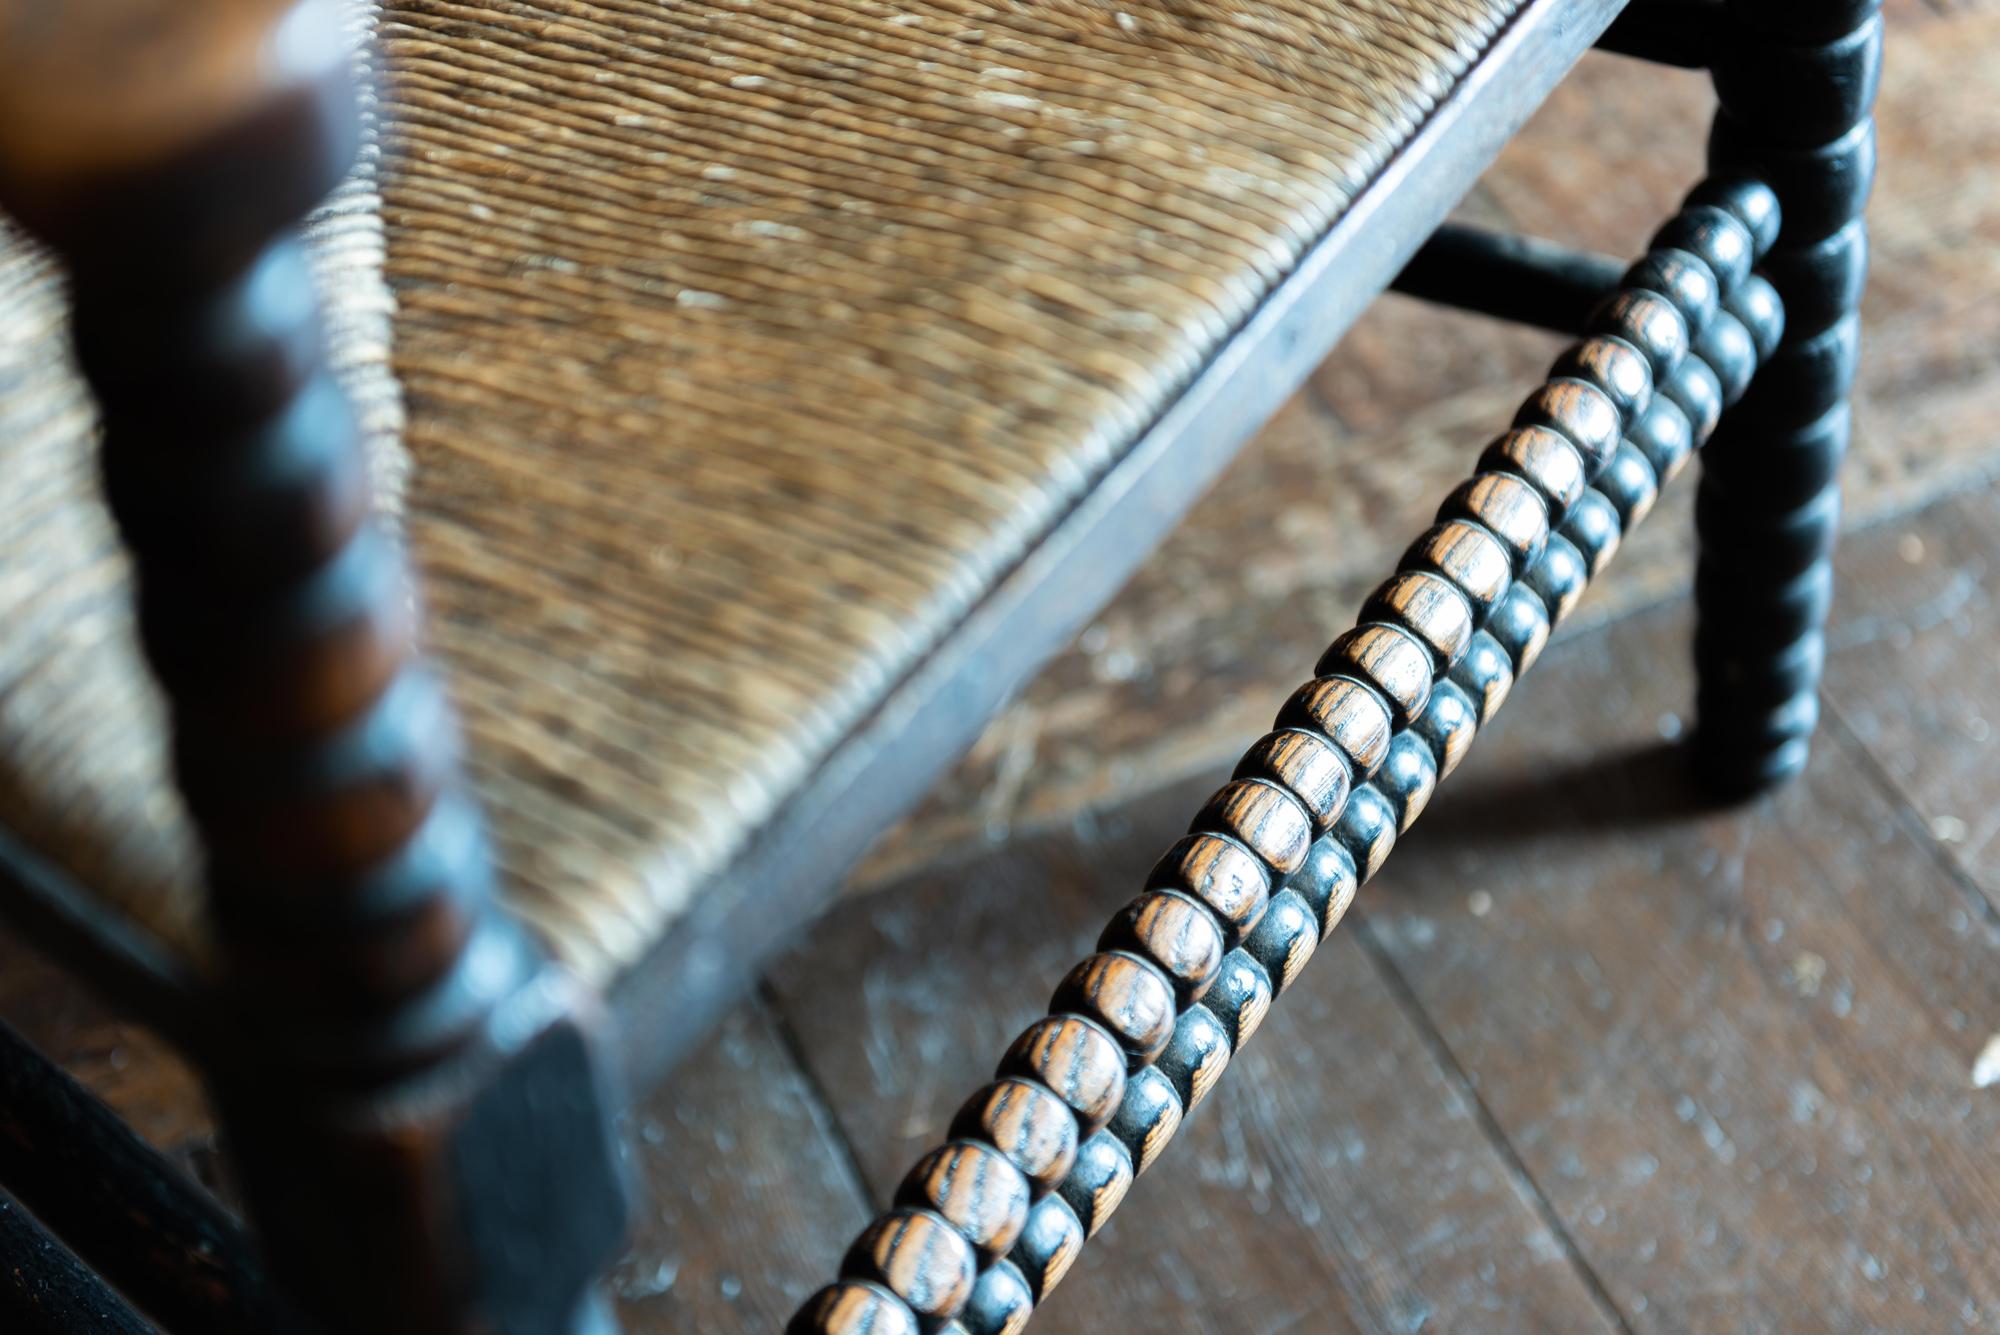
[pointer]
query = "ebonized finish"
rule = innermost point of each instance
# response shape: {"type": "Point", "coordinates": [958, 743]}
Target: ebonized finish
{"type": "Point", "coordinates": [1797, 85]}
{"type": "Point", "coordinates": [401, 1055]}
{"type": "Point", "coordinates": [1668, 32]}
{"type": "Point", "coordinates": [1520, 278]}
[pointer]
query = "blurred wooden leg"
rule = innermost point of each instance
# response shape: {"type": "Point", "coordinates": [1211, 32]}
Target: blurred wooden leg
{"type": "Point", "coordinates": [417, 1099]}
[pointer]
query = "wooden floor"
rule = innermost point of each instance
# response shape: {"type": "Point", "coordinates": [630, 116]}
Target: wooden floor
{"type": "Point", "coordinates": [1588, 1055]}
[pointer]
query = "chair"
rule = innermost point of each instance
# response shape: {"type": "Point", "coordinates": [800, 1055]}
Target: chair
{"type": "Point", "coordinates": [764, 391]}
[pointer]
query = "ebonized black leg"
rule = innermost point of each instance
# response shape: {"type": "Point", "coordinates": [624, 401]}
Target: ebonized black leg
{"type": "Point", "coordinates": [1797, 81]}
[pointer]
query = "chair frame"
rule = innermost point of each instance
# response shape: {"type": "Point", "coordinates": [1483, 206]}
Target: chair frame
{"type": "Point", "coordinates": [422, 1105]}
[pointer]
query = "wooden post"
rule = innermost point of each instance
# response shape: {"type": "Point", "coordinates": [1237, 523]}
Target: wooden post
{"type": "Point", "coordinates": [1797, 82]}
{"type": "Point", "coordinates": [416, 1097]}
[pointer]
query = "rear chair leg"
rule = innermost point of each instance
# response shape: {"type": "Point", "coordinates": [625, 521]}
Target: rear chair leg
{"type": "Point", "coordinates": [1796, 80]}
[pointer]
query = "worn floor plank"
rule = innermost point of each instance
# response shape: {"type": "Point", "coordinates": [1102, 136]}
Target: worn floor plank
{"type": "Point", "coordinates": [1910, 671]}
{"type": "Point", "coordinates": [1337, 1180]}
{"type": "Point", "coordinates": [1733, 1049]}
{"type": "Point", "coordinates": [747, 1181]}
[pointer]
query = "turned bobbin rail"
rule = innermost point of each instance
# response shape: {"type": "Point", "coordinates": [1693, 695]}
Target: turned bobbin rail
{"type": "Point", "coordinates": [986, 1226]}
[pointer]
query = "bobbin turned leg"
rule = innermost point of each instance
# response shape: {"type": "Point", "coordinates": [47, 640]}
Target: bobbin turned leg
{"type": "Point", "coordinates": [1796, 79]}
{"type": "Point", "coordinates": [416, 1099]}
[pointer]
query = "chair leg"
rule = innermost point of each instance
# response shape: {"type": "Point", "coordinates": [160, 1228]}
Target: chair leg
{"type": "Point", "coordinates": [1796, 81]}
{"type": "Point", "coordinates": [418, 1102]}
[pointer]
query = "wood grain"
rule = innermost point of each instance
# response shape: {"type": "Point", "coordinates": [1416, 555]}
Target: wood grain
{"type": "Point", "coordinates": [749, 1183]}
{"type": "Point", "coordinates": [146, 1083]}
{"type": "Point", "coordinates": [747, 1174]}
{"type": "Point", "coordinates": [1335, 1131]}
{"type": "Point", "coordinates": [1934, 397]}
{"type": "Point", "coordinates": [1920, 600]}
{"type": "Point", "coordinates": [1734, 1049]}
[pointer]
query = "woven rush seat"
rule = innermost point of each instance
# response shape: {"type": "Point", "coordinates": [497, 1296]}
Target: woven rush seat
{"type": "Point", "coordinates": [718, 358]}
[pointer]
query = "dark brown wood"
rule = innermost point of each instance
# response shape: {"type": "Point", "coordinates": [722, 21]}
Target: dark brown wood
{"type": "Point", "coordinates": [1389, 661]}
{"type": "Point", "coordinates": [1545, 460]}
{"type": "Point", "coordinates": [919, 1257]}
{"type": "Point", "coordinates": [1473, 560]}
{"type": "Point", "coordinates": [1028, 1123]}
{"type": "Point", "coordinates": [1584, 414]}
{"type": "Point", "coordinates": [1725, 1029]}
{"type": "Point", "coordinates": [854, 1307]}
{"type": "Point", "coordinates": [1916, 619]}
{"type": "Point", "coordinates": [131, 1070]}
{"type": "Point", "coordinates": [1308, 765]}
{"type": "Point", "coordinates": [1128, 996]}
{"type": "Point", "coordinates": [1933, 386]}
{"type": "Point", "coordinates": [1506, 507]}
{"type": "Point", "coordinates": [1430, 608]}
{"type": "Point", "coordinates": [128, 970]}
{"type": "Point", "coordinates": [1262, 817]}
{"type": "Point", "coordinates": [1349, 715]}
{"type": "Point", "coordinates": [1763, 1292]}
{"type": "Point", "coordinates": [1154, 691]}
{"type": "Point", "coordinates": [1615, 366]}
{"type": "Point", "coordinates": [1399, 1206]}
{"type": "Point", "coordinates": [219, 132]}
{"type": "Point", "coordinates": [1414, 630]}
{"type": "Point", "coordinates": [750, 1179]}
{"type": "Point", "coordinates": [1650, 322]}
{"type": "Point", "coordinates": [977, 1190]}
{"type": "Point", "coordinates": [1684, 278]}
{"type": "Point", "coordinates": [1077, 1061]}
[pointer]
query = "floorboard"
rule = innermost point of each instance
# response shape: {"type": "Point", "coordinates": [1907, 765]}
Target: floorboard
{"type": "Point", "coordinates": [1338, 1180]}
{"type": "Point", "coordinates": [748, 1180]}
{"type": "Point", "coordinates": [1910, 672]}
{"type": "Point", "coordinates": [1734, 1049]}
{"type": "Point", "coordinates": [131, 1070]}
